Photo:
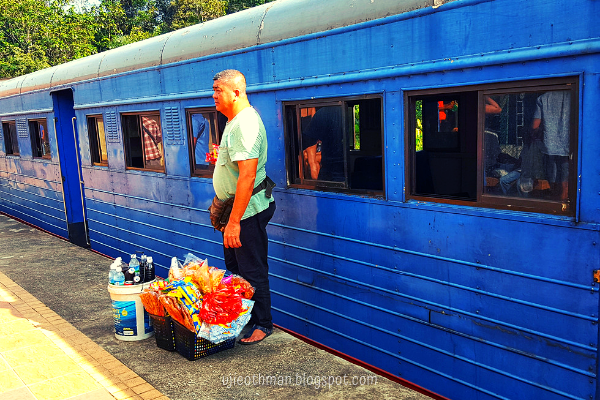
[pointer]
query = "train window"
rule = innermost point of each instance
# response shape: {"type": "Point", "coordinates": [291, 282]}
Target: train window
{"type": "Point", "coordinates": [40, 142]}
{"type": "Point", "coordinates": [509, 146]}
{"type": "Point", "coordinates": [11, 142]}
{"type": "Point", "coordinates": [205, 127]}
{"type": "Point", "coordinates": [97, 139]}
{"type": "Point", "coordinates": [336, 144]}
{"type": "Point", "coordinates": [142, 136]}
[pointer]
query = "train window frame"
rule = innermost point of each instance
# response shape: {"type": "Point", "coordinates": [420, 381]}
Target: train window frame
{"type": "Point", "coordinates": [351, 171]}
{"type": "Point", "coordinates": [96, 136]}
{"type": "Point", "coordinates": [216, 124]}
{"type": "Point", "coordinates": [474, 124]}
{"type": "Point", "coordinates": [11, 138]}
{"type": "Point", "coordinates": [40, 147]}
{"type": "Point", "coordinates": [135, 148]}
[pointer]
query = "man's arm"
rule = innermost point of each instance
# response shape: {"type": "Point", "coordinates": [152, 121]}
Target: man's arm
{"type": "Point", "coordinates": [312, 161]}
{"type": "Point", "coordinates": [243, 193]}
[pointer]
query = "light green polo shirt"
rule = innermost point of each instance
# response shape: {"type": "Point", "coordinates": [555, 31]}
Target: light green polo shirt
{"type": "Point", "coordinates": [244, 138]}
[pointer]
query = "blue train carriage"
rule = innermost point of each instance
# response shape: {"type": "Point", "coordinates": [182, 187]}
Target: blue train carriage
{"type": "Point", "coordinates": [447, 233]}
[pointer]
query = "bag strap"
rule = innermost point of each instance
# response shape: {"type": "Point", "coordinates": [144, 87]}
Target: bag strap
{"type": "Point", "coordinates": [268, 184]}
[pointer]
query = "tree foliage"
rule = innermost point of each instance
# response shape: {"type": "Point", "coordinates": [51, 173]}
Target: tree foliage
{"type": "Point", "coordinates": [36, 34]}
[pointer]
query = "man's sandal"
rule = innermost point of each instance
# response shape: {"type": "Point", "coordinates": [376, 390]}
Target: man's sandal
{"type": "Point", "coordinates": [249, 334]}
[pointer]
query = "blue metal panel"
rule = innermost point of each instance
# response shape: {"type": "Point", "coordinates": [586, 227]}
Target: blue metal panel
{"type": "Point", "coordinates": [88, 92]}
{"type": "Point", "coordinates": [175, 140]}
{"type": "Point", "coordinates": [139, 85]}
{"type": "Point", "coordinates": [35, 101]}
{"type": "Point", "coordinates": [30, 190]}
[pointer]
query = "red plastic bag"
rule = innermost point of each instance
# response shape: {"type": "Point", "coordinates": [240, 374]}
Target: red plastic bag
{"type": "Point", "coordinates": [221, 306]}
{"type": "Point", "coordinates": [241, 286]}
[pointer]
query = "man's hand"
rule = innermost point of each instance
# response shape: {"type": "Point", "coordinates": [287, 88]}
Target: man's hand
{"type": "Point", "coordinates": [231, 235]}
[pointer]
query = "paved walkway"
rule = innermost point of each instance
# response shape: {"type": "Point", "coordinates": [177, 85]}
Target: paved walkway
{"type": "Point", "coordinates": [44, 357]}
{"type": "Point", "coordinates": [57, 342]}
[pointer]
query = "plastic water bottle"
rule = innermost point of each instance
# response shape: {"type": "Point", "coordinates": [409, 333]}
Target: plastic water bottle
{"type": "Point", "coordinates": [150, 274]}
{"type": "Point", "coordinates": [119, 276]}
{"type": "Point", "coordinates": [115, 267]}
{"type": "Point", "coordinates": [111, 273]}
{"type": "Point", "coordinates": [135, 264]}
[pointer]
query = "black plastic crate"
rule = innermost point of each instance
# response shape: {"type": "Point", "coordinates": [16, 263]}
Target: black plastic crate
{"type": "Point", "coordinates": [192, 347]}
{"type": "Point", "coordinates": [163, 332]}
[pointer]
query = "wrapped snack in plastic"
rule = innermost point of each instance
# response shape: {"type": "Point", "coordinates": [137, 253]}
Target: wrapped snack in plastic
{"type": "Point", "coordinates": [191, 260]}
{"type": "Point", "coordinates": [159, 285]}
{"type": "Point", "coordinates": [221, 307]}
{"type": "Point", "coordinates": [201, 278]}
{"type": "Point", "coordinates": [220, 333]}
{"type": "Point", "coordinates": [176, 311]}
{"type": "Point", "coordinates": [216, 275]}
{"type": "Point", "coordinates": [175, 270]}
{"type": "Point", "coordinates": [188, 320]}
{"type": "Point", "coordinates": [185, 290]}
{"type": "Point", "coordinates": [240, 285]}
{"type": "Point", "coordinates": [152, 304]}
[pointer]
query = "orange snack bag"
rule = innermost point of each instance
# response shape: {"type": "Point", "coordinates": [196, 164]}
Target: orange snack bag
{"type": "Point", "coordinates": [151, 302]}
{"type": "Point", "coordinates": [216, 275]}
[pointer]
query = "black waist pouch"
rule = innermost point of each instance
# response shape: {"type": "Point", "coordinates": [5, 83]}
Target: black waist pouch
{"type": "Point", "coordinates": [221, 210]}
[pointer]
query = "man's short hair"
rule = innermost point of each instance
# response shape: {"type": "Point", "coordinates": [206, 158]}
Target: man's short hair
{"type": "Point", "coordinates": [229, 75]}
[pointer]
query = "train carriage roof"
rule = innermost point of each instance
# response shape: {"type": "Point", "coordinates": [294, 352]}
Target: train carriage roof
{"type": "Point", "coordinates": [268, 23]}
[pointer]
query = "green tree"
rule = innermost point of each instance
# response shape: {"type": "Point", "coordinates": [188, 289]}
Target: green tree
{"type": "Point", "coordinates": [111, 21]}
{"type": "Point", "coordinates": [191, 12]}
{"type": "Point", "coordinates": [239, 5]}
{"type": "Point", "coordinates": [36, 34]}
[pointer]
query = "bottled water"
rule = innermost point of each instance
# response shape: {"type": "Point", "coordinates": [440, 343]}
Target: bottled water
{"type": "Point", "coordinates": [111, 273]}
{"type": "Point", "coordinates": [119, 276]}
{"type": "Point", "coordinates": [150, 274]}
{"type": "Point", "coordinates": [135, 264]}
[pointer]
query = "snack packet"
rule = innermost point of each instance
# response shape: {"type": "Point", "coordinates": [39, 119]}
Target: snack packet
{"type": "Point", "coordinates": [220, 333]}
{"type": "Point", "coordinates": [176, 311]}
{"type": "Point", "coordinates": [240, 285]}
{"type": "Point", "coordinates": [221, 306]}
{"type": "Point", "coordinates": [216, 275]}
{"type": "Point", "coordinates": [151, 302]}
{"type": "Point", "coordinates": [201, 278]}
{"type": "Point", "coordinates": [175, 270]}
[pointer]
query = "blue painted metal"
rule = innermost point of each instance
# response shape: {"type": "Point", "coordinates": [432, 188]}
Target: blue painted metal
{"type": "Point", "coordinates": [69, 166]}
{"type": "Point", "coordinates": [468, 302]}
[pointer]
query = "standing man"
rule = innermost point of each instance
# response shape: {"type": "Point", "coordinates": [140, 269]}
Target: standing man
{"type": "Point", "coordinates": [240, 172]}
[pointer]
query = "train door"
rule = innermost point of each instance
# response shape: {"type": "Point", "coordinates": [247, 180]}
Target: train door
{"type": "Point", "coordinates": [70, 166]}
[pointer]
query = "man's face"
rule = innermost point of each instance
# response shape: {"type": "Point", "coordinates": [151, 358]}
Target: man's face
{"type": "Point", "coordinates": [224, 96]}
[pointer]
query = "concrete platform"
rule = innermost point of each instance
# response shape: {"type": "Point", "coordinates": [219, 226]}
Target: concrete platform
{"type": "Point", "coordinates": [57, 342]}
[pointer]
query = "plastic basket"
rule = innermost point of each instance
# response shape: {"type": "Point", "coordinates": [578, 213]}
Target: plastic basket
{"type": "Point", "coordinates": [163, 331]}
{"type": "Point", "coordinates": [192, 347]}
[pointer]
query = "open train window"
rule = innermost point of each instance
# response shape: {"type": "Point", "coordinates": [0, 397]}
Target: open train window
{"type": "Point", "coordinates": [40, 142]}
{"type": "Point", "coordinates": [509, 146]}
{"type": "Point", "coordinates": [11, 142]}
{"type": "Point", "coordinates": [205, 127]}
{"type": "Point", "coordinates": [336, 144]}
{"type": "Point", "coordinates": [95, 124]}
{"type": "Point", "coordinates": [142, 136]}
